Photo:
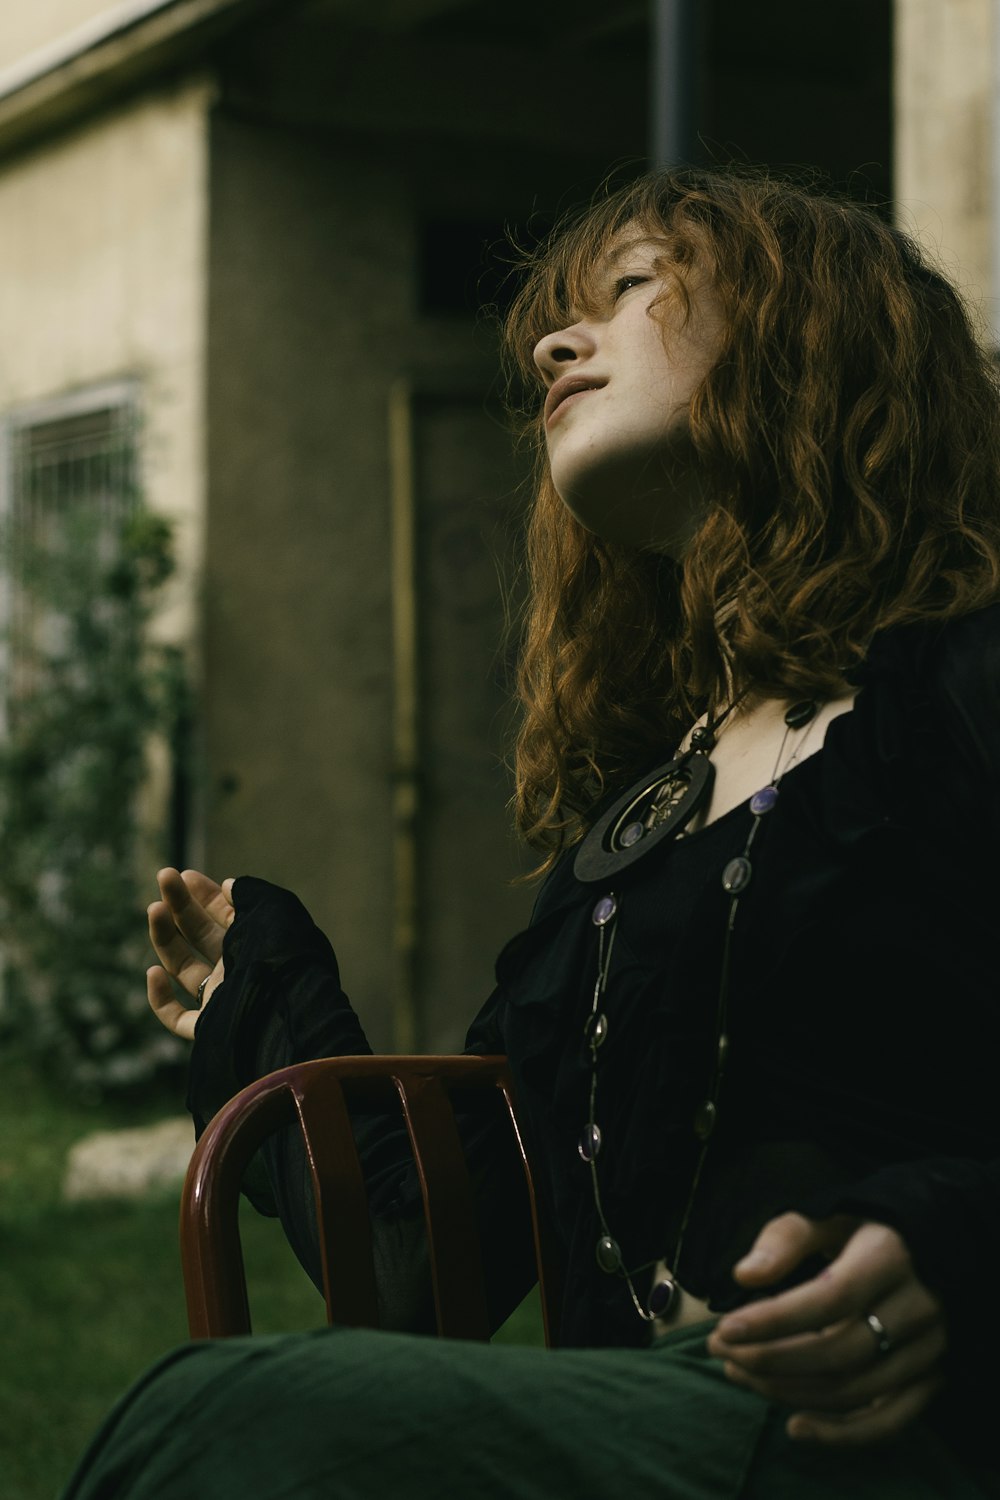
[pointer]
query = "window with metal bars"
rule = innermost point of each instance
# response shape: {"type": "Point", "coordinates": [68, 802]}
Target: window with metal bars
{"type": "Point", "coordinates": [70, 484]}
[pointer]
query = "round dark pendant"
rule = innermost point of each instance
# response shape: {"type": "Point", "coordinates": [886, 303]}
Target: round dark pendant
{"type": "Point", "coordinates": [662, 1297]}
{"type": "Point", "coordinates": [800, 713]}
{"type": "Point", "coordinates": [736, 875]}
{"type": "Point", "coordinates": [595, 1030]}
{"type": "Point", "coordinates": [761, 802]}
{"type": "Point", "coordinates": [589, 1143]}
{"type": "Point", "coordinates": [655, 808]}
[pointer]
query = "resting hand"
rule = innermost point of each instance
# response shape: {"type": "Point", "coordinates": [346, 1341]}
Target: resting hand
{"type": "Point", "coordinates": [186, 928]}
{"type": "Point", "coordinates": [812, 1348]}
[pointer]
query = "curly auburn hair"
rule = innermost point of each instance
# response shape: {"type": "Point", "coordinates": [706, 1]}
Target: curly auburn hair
{"type": "Point", "coordinates": [849, 435]}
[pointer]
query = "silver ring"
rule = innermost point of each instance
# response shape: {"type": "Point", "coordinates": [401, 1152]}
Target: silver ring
{"type": "Point", "coordinates": [883, 1343]}
{"type": "Point", "coordinates": [201, 988]}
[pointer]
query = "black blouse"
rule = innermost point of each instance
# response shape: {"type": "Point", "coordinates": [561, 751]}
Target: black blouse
{"type": "Point", "coordinates": [863, 1018]}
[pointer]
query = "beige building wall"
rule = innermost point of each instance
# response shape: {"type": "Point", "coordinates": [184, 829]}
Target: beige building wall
{"type": "Point", "coordinates": [945, 125]}
{"type": "Point", "coordinates": [102, 277]}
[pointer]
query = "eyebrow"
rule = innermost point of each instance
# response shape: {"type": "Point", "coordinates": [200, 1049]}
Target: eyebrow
{"type": "Point", "coordinates": [614, 257]}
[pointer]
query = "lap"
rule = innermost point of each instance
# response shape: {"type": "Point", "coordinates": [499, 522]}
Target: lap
{"type": "Point", "coordinates": [352, 1415]}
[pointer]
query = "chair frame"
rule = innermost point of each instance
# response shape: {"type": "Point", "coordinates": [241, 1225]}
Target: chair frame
{"type": "Point", "coordinates": [315, 1095]}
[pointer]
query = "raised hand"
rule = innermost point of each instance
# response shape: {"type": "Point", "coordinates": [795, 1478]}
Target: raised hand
{"type": "Point", "coordinates": [857, 1351]}
{"type": "Point", "coordinates": [186, 929]}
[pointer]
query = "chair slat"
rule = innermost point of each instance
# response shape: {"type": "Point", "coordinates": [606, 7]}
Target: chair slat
{"type": "Point", "coordinates": [452, 1235]}
{"type": "Point", "coordinates": [549, 1280]}
{"type": "Point", "coordinates": [341, 1200]}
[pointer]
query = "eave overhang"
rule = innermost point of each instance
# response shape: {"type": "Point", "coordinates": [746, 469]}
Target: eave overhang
{"type": "Point", "coordinates": [108, 57]}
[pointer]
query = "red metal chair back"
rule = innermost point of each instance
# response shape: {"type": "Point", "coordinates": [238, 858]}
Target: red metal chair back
{"type": "Point", "coordinates": [316, 1096]}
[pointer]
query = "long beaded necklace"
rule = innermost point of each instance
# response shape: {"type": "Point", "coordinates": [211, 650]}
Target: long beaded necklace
{"type": "Point", "coordinates": [662, 804]}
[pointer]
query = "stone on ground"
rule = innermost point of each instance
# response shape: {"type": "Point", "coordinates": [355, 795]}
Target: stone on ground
{"type": "Point", "coordinates": [128, 1163]}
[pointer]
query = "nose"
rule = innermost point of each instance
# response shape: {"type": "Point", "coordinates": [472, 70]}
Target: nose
{"type": "Point", "coordinates": [556, 351]}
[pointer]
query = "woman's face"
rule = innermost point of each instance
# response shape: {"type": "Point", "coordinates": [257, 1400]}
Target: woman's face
{"type": "Point", "coordinates": [620, 383]}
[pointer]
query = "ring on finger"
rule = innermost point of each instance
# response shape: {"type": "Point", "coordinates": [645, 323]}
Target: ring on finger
{"type": "Point", "coordinates": [201, 988]}
{"type": "Point", "coordinates": [883, 1340]}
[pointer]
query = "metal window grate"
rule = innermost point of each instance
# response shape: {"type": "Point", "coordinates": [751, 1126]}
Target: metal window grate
{"type": "Point", "coordinates": [89, 456]}
{"type": "Point", "coordinates": [81, 465]}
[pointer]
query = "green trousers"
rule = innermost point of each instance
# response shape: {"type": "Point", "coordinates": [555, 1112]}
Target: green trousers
{"type": "Point", "coordinates": [351, 1415]}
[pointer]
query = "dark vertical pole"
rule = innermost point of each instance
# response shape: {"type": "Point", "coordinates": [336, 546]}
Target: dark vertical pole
{"type": "Point", "coordinates": [676, 64]}
{"type": "Point", "coordinates": [406, 1027]}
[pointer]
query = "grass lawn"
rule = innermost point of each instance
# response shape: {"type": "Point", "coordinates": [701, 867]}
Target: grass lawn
{"type": "Point", "coordinates": [90, 1294]}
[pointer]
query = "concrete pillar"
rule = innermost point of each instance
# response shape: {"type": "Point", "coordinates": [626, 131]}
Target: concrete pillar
{"type": "Point", "coordinates": [946, 120]}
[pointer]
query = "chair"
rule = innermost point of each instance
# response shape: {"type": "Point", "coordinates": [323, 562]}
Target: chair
{"type": "Point", "coordinates": [316, 1095]}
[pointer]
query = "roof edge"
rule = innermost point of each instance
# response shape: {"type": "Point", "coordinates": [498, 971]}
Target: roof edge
{"type": "Point", "coordinates": [81, 70]}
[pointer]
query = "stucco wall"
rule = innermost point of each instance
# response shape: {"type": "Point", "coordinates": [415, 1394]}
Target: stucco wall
{"type": "Point", "coordinates": [102, 275]}
{"type": "Point", "coordinates": [945, 127]}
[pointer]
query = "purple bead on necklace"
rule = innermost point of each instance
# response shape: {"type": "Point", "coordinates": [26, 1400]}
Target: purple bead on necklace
{"type": "Point", "coordinates": [764, 800]}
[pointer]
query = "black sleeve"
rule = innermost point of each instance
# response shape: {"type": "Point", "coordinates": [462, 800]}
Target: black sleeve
{"type": "Point", "coordinates": [964, 680]}
{"type": "Point", "coordinates": [282, 1002]}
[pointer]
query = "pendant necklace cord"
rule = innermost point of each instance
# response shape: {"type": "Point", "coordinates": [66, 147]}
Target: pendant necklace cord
{"type": "Point", "coordinates": [736, 878]}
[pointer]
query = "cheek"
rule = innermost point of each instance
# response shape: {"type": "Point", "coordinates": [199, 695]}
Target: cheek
{"type": "Point", "coordinates": [669, 380]}
{"type": "Point", "coordinates": [675, 360]}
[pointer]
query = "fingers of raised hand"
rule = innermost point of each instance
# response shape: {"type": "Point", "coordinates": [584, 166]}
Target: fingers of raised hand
{"type": "Point", "coordinates": [167, 1009]}
{"type": "Point", "coordinates": [199, 909]}
{"type": "Point", "coordinates": [177, 956]}
{"type": "Point", "coordinates": [217, 900]}
{"type": "Point", "coordinates": [177, 1017]}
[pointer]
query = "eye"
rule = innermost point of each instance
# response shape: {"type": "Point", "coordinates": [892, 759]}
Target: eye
{"type": "Point", "coordinates": [626, 283]}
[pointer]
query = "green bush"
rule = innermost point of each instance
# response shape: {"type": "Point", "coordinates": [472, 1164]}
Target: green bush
{"type": "Point", "coordinates": [88, 691]}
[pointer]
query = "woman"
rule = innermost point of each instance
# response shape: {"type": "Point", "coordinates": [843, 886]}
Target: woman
{"type": "Point", "coordinates": [751, 1025]}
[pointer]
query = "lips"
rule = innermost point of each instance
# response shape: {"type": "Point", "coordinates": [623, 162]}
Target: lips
{"type": "Point", "coordinates": [568, 385]}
